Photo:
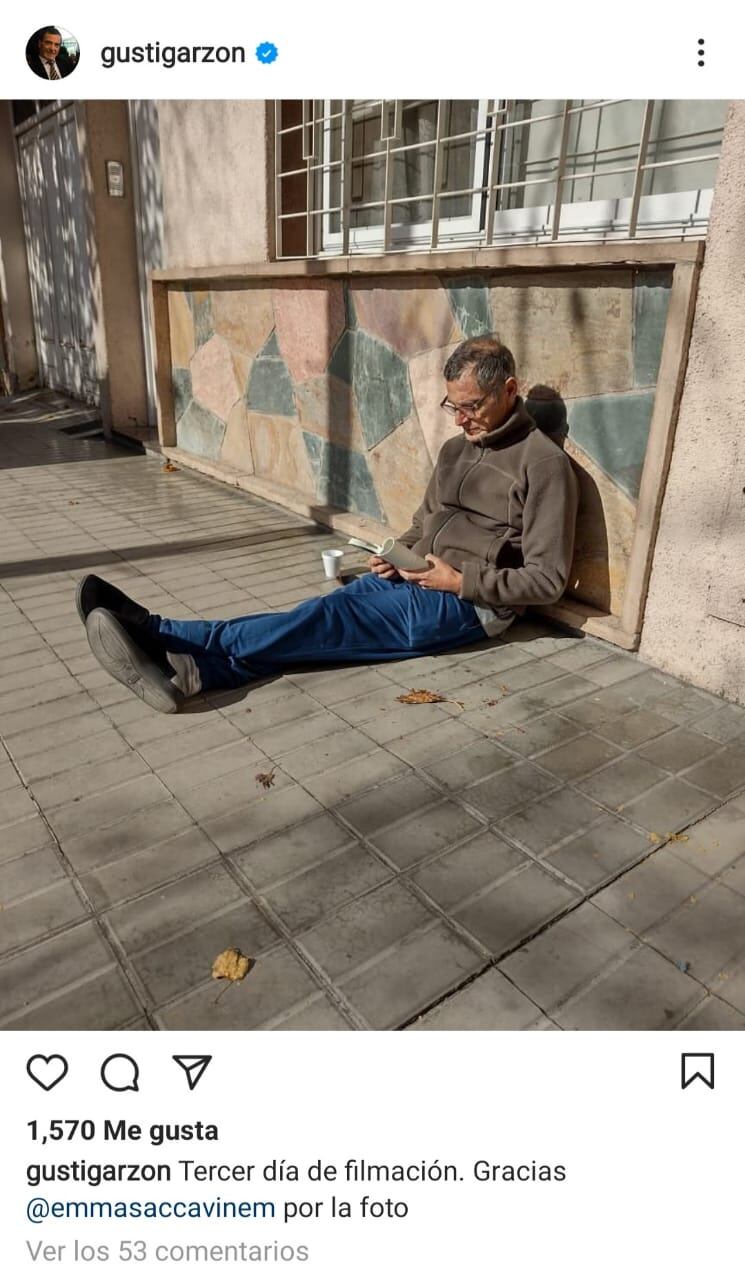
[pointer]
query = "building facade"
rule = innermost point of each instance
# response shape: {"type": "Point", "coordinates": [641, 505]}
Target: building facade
{"type": "Point", "coordinates": [278, 286]}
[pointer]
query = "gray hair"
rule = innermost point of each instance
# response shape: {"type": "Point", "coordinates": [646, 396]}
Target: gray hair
{"type": "Point", "coordinates": [492, 363]}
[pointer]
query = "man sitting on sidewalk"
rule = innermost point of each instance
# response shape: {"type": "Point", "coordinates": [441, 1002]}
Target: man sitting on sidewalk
{"type": "Point", "coordinates": [496, 525]}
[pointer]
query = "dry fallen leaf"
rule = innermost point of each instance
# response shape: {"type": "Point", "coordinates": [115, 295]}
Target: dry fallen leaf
{"type": "Point", "coordinates": [266, 780]}
{"type": "Point", "coordinates": [675, 836]}
{"type": "Point", "coordinates": [169, 466]}
{"type": "Point", "coordinates": [231, 964]}
{"type": "Point", "coordinates": [417, 696]}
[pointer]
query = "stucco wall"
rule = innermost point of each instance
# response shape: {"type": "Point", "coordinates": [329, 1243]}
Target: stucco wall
{"type": "Point", "coordinates": [331, 388]}
{"type": "Point", "coordinates": [699, 563]}
{"type": "Point", "coordinates": [215, 179]}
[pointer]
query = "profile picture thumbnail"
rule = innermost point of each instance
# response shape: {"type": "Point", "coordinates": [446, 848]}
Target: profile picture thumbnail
{"type": "Point", "coordinates": [52, 53]}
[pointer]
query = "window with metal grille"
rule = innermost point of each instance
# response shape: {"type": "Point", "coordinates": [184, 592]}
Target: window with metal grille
{"type": "Point", "coordinates": [373, 176]}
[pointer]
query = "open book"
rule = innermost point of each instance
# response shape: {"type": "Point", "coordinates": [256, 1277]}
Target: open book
{"type": "Point", "coordinates": [395, 553]}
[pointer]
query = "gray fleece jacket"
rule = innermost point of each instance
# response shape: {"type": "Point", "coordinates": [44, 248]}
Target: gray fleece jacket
{"type": "Point", "coordinates": [502, 510]}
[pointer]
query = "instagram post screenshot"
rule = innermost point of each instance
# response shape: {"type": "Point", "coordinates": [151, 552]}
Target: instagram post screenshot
{"type": "Point", "coordinates": [372, 641]}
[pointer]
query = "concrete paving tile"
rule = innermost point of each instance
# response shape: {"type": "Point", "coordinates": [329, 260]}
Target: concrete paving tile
{"type": "Point", "coordinates": [33, 676]}
{"type": "Point", "coordinates": [9, 778]}
{"type": "Point", "coordinates": [380, 808]}
{"type": "Point", "coordinates": [48, 713]}
{"type": "Point", "coordinates": [138, 830]}
{"type": "Point", "coordinates": [316, 1015]}
{"type": "Point", "coordinates": [326, 753]}
{"type": "Point", "coordinates": [364, 928]}
{"type": "Point", "coordinates": [423, 746]}
{"type": "Point", "coordinates": [621, 781]}
{"type": "Point", "coordinates": [141, 872]}
{"type": "Point", "coordinates": [267, 713]}
{"type": "Point", "coordinates": [716, 841]}
{"type": "Point", "coordinates": [102, 1003]}
{"type": "Point", "coordinates": [272, 813]}
{"type": "Point", "coordinates": [424, 834]}
{"type": "Point", "coordinates": [684, 704]}
{"type": "Point", "coordinates": [669, 806]}
{"type": "Point", "coordinates": [707, 931]}
{"type": "Point", "coordinates": [87, 780]}
{"type": "Point", "coordinates": [310, 895]}
{"type": "Point", "coordinates": [410, 977]}
{"type": "Point", "coordinates": [614, 669]}
{"type": "Point", "coordinates": [199, 738]}
{"type": "Point", "coordinates": [511, 789]}
{"type": "Point", "coordinates": [341, 783]}
{"type": "Point", "coordinates": [723, 774]}
{"type": "Point", "coordinates": [461, 873]}
{"type": "Point", "coordinates": [481, 759]}
{"type": "Point", "coordinates": [277, 982]}
{"type": "Point", "coordinates": [15, 805]}
{"type": "Point", "coordinates": [645, 993]}
{"type": "Point", "coordinates": [713, 1015]}
{"type": "Point", "coordinates": [561, 961]}
{"type": "Point", "coordinates": [511, 710]}
{"type": "Point", "coordinates": [29, 873]}
{"type": "Point", "coordinates": [399, 720]}
{"type": "Point", "coordinates": [506, 915]}
{"type": "Point", "coordinates": [181, 964]}
{"type": "Point", "coordinates": [549, 730]}
{"type": "Point", "coordinates": [353, 684]}
{"type": "Point", "coordinates": [27, 659]}
{"type": "Point", "coordinates": [502, 656]}
{"type": "Point", "coordinates": [23, 837]}
{"type": "Point", "coordinates": [636, 727]}
{"type": "Point", "coordinates": [646, 893]}
{"type": "Point", "coordinates": [33, 917]}
{"type": "Point", "coordinates": [174, 909]}
{"type": "Point", "coordinates": [93, 748]}
{"type": "Point", "coordinates": [678, 749]}
{"type": "Point", "coordinates": [608, 847]}
{"type": "Point", "coordinates": [278, 857]}
{"type": "Point", "coordinates": [585, 654]}
{"type": "Point", "coordinates": [723, 724]}
{"type": "Point", "coordinates": [371, 706]}
{"type": "Point", "coordinates": [489, 1003]}
{"type": "Point", "coordinates": [50, 966]}
{"type": "Point", "coordinates": [297, 733]}
{"type": "Point", "coordinates": [102, 810]}
{"type": "Point", "coordinates": [200, 768]}
{"type": "Point", "coordinates": [580, 756]}
{"type": "Point", "coordinates": [545, 822]}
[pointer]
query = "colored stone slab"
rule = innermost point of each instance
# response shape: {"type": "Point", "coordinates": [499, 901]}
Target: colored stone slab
{"type": "Point", "coordinates": [400, 467]}
{"type": "Point", "coordinates": [244, 317]}
{"type": "Point", "coordinates": [199, 431]}
{"type": "Point", "coordinates": [181, 321]}
{"type": "Point", "coordinates": [269, 386]}
{"type": "Point", "coordinates": [651, 302]}
{"type": "Point", "coordinates": [428, 387]}
{"type": "Point", "coordinates": [342, 477]}
{"type": "Point", "coordinates": [605, 532]}
{"type": "Point", "coordinates": [279, 453]}
{"type": "Point", "coordinates": [236, 445]}
{"type": "Point", "coordinates": [309, 316]}
{"type": "Point", "coordinates": [469, 299]}
{"type": "Point", "coordinates": [574, 336]}
{"type": "Point", "coordinates": [614, 430]}
{"type": "Point", "coordinates": [411, 316]}
{"type": "Point", "coordinates": [379, 379]}
{"type": "Point", "coordinates": [327, 407]}
{"type": "Point", "coordinates": [182, 392]}
{"type": "Point", "coordinates": [213, 377]}
{"type": "Point", "coordinates": [200, 302]}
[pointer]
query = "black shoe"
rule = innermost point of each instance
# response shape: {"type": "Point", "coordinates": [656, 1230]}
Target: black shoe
{"type": "Point", "coordinates": [94, 593]}
{"type": "Point", "coordinates": [118, 654]}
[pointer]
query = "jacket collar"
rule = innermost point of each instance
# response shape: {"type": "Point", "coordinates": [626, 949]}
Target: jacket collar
{"type": "Point", "coordinates": [518, 422]}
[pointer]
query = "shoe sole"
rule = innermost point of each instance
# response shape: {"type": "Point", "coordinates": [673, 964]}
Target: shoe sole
{"type": "Point", "coordinates": [124, 660]}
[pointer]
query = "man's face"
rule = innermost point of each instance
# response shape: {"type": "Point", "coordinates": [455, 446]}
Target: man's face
{"type": "Point", "coordinates": [49, 46]}
{"type": "Point", "coordinates": [480, 413]}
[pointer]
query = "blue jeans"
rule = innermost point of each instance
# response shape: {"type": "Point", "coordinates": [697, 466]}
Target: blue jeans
{"type": "Point", "coordinates": [371, 620]}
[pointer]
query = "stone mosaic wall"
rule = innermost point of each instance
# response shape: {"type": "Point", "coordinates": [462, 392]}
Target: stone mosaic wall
{"type": "Point", "coordinates": [331, 388]}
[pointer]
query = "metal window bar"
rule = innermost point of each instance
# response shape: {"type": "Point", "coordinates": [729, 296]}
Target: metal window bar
{"type": "Point", "coordinates": [500, 121]}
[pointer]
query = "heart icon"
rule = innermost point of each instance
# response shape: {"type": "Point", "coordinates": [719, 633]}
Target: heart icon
{"type": "Point", "coordinates": [47, 1072]}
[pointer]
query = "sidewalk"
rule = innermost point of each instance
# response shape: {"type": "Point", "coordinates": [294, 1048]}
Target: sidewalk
{"type": "Point", "coordinates": [559, 845]}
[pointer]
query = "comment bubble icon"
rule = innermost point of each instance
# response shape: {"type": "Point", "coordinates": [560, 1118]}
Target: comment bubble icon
{"type": "Point", "coordinates": [120, 1073]}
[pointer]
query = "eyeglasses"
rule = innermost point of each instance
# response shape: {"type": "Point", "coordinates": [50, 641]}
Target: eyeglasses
{"type": "Point", "coordinates": [466, 410]}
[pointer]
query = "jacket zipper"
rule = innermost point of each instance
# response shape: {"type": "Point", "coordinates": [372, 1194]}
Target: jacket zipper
{"type": "Point", "coordinates": [444, 526]}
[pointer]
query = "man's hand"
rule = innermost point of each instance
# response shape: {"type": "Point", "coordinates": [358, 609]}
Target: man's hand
{"type": "Point", "coordinates": [441, 577]}
{"type": "Point", "coordinates": [381, 567]}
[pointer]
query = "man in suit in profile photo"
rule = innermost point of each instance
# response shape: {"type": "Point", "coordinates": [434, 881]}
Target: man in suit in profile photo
{"type": "Point", "coordinates": [47, 56]}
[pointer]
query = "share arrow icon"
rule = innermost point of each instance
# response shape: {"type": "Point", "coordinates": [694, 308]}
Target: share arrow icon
{"type": "Point", "coordinates": [193, 1066]}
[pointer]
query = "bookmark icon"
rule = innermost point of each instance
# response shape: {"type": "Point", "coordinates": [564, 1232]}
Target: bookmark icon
{"type": "Point", "coordinates": [193, 1066]}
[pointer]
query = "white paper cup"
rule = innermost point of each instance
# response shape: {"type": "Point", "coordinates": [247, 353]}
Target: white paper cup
{"type": "Point", "coordinates": [331, 563]}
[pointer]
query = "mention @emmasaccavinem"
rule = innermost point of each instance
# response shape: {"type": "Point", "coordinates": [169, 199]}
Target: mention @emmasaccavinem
{"type": "Point", "coordinates": [171, 55]}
